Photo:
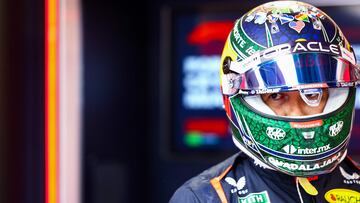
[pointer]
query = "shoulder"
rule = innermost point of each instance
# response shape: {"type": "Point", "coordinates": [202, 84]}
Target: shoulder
{"type": "Point", "coordinates": [349, 171]}
{"type": "Point", "coordinates": [184, 194]}
{"type": "Point", "coordinates": [350, 163]}
{"type": "Point", "coordinates": [346, 176]}
{"type": "Point", "coordinates": [199, 188]}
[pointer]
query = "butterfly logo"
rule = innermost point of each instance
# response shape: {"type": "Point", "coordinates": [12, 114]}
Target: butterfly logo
{"type": "Point", "coordinates": [353, 176]}
{"type": "Point", "coordinates": [237, 186]}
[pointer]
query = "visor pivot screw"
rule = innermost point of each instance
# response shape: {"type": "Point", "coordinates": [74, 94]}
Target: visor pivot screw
{"type": "Point", "coordinates": [226, 65]}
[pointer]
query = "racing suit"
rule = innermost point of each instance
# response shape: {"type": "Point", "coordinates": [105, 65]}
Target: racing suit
{"type": "Point", "coordinates": [238, 179]}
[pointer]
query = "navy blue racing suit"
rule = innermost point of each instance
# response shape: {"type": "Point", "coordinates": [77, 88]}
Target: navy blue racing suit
{"type": "Point", "coordinates": [238, 179]}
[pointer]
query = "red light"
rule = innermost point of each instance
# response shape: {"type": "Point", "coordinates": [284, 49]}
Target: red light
{"type": "Point", "coordinates": [207, 125]}
{"type": "Point", "coordinates": [206, 32]}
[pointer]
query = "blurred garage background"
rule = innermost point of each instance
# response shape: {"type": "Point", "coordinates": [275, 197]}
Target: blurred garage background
{"type": "Point", "coordinates": [124, 116]}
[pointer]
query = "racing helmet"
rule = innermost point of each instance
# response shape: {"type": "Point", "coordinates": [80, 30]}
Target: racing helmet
{"type": "Point", "coordinates": [286, 46]}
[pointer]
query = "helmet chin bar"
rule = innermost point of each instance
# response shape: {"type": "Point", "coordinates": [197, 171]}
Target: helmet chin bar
{"type": "Point", "coordinates": [280, 142]}
{"type": "Point", "coordinates": [311, 97]}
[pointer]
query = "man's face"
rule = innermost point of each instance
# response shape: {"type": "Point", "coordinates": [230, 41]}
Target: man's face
{"type": "Point", "coordinates": [291, 103]}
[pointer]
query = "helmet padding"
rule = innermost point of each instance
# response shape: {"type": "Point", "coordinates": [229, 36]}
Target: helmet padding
{"type": "Point", "coordinates": [337, 97]}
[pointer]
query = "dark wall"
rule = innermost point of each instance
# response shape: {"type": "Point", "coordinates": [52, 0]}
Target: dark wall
{"type": "Point", "coordinates": [22, 101]}
{"type": "Point", "coordinates": [115, 101]}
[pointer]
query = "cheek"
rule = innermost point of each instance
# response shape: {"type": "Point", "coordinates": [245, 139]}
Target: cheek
{"type": "Point", "coordinates": [314, 110]}
{"type": "Point", "coordinates": [280, 110]}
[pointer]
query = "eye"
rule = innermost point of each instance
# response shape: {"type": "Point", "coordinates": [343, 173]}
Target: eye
{"type": "Point", "coordinates": [275, 96]}
{"type": "Point", "coordinates": [312, 96]}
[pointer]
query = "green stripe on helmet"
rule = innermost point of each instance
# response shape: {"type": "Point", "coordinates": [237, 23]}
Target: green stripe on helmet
{"type": "Point", "coordinates": [241, 43]}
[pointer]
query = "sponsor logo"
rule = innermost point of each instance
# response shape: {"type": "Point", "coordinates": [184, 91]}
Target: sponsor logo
{"type": "Point", "coordinates": [237, 186]}
{"type": "Point", "coordinates": [251, 56]}
{"type": "Point", "coordinates": [314, 150]}
{"type": "Point", "coordinates": [242, 44]}
{"type": "Point", "coordinates": [290, 149]}
{"type": "Point", "coordinates": [303, 167]}
{"type": "Point", "coordinates": [315, 85]}
{"type": "Point", "coordinates": [259, 197]}
{"type": "Point", "coordinates": [336, 128]}
{"type": "Point", "coordinates": [345, 84]}
{"type": "Point", "coordinates": [299, 47]}
{"type": "Point", "coordinates": [238, 38]}
{"type": "Point", "coordinates": [309, 124]}
{"type": "Point", "coordinates": [275, 133]}
{"type": "Point", "coordinates": [265, 91]}
{"type": "Point", "coordinates": [350, 179]}
{"type": "Point", "coordinates": [342, 195]}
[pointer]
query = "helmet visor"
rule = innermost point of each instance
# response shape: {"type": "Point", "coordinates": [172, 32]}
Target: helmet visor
{"type": "Point", "coordinates": [298, 71]}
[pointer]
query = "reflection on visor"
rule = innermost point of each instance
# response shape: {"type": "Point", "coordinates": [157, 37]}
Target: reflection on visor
{"type": "Point", "coordinates": [291, 71]}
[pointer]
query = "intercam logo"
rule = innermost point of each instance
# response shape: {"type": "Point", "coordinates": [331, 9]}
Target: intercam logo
{"type": "Point", "coordinates": [342, 196]}
{"type": "Point", "coordinates": [260, 197]}
{"type": "Point", "coordinates": [290, 149]}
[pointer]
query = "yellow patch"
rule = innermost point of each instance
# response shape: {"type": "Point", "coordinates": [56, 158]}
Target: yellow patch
{"type": "Point", "coordinates": [308, 187]}
{"type": "Point", "coordinates": [342, 196]}
{"type": "Point", "coordinates": [300, 40]}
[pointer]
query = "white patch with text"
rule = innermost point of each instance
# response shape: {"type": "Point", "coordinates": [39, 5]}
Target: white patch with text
{"type": "Point", "coordinates": [350, 179]}
{"type": "Point", "coordinates": [237, 186]}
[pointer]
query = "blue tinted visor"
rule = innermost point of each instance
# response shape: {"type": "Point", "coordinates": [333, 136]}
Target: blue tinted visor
{"type": "Point", "coordinates": [300, 71]}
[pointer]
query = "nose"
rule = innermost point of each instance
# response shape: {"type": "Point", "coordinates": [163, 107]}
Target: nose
{"type": "Point", "coordinates": [295, 105]}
